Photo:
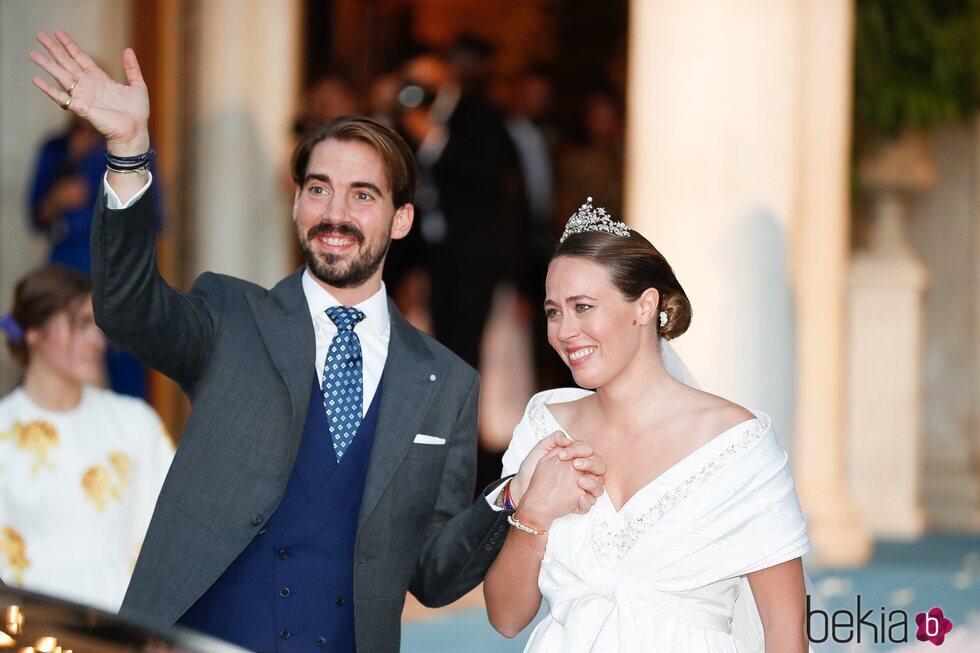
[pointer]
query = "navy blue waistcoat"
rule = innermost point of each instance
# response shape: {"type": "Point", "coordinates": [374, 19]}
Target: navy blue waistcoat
{"type": "Point", "coordinates": [292, 587]}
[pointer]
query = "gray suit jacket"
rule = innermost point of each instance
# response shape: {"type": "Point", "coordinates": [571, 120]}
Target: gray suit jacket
{"type": "Point", "coordinates": [245, 357]}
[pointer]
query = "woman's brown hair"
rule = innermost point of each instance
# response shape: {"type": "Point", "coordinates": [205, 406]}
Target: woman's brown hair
{"type": "Point", "coordinates": [634, 265]}
{"type": "Point", "coordinates": [38, 296]}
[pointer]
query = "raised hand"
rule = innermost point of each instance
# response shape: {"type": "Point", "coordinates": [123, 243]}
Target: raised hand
{"type": "Point", "coordinates": [580, 454]}
{"type": "Point", "coordinates": [120, 112]}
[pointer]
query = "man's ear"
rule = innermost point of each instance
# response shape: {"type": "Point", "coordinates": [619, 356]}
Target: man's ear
{"type": "Point", "coordinates": [299, 189]}
{"type": "Point", "coordinates": [402, 222]}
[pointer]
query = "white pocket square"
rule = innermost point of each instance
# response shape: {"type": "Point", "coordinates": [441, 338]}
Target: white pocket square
{"type": "Point", "coordinates": [422, 438]}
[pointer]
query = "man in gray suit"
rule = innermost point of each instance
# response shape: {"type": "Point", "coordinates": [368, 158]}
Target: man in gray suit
{"type": "Point", "coordinates": [328, 461]}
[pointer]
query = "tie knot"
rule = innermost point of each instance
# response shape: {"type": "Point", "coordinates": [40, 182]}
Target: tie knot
{"type": "Point", "coordinates": [346, 318]}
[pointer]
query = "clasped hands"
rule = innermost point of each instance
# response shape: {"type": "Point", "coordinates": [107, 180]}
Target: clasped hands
{"type": "Point", "coordinates": [558, 477]}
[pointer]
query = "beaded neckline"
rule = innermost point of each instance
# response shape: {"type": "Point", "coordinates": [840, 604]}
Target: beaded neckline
{"type": "Point", "coordinates": [611, 544]}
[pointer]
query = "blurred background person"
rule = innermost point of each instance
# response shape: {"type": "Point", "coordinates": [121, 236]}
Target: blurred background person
{"type": "Point", "coordinates": [329, 96]}
{"type": "Point", "coordinates": [594, 157]}
{"type": "Point", "coordinates": [532, 126]}
{"type": "Point", "coordinates": [471, 207]}
{"type": "Point", "coordinates": [382, 97]}
{"type": "Point", "coordinates": [67, 179]}
{"type": "Point", "coordinates": [530, 123]}
{"type": "Point", "coordinates": [80, 466]}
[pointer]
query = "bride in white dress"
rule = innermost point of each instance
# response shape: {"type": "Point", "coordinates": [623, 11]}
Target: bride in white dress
{"type": "Point", "coordinates": [696, 543]}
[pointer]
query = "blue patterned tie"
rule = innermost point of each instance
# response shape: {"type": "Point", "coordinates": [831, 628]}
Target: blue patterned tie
{"type": "Point", "coordinates": [343, 379]}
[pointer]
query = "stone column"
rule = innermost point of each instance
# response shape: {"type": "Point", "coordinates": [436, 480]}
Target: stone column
{"type": "Point", "coordinates": [737, 170]}
{"type": "Point", "coordinates": [248, 75]}
{"type": "Point", "coordinates": [885, 376]}
{"type": "Point", "coordinates": [821, 248]}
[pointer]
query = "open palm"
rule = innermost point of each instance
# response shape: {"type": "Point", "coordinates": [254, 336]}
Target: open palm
{"type": "Point", "coordinates": [120, 112]}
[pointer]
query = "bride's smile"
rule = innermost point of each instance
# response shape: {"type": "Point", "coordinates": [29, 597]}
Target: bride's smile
{"type": "Point", "coordinates": [590, 324]}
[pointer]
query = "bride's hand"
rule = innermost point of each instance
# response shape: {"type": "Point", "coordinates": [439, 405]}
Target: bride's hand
{"type": "Point", "coordinates": [120, 112]}
{"type": "Point", "coordinates": [557, 488]}
{"type": "Point", "coordinates": [580, 454]}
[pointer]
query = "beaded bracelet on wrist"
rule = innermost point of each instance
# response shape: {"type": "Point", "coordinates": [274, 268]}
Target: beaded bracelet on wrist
{"type": "Point", "coordinates": [516, 523]}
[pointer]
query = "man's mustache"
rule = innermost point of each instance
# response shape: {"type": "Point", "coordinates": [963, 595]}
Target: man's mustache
{"type": "Point", "coordinates": [326, 228]}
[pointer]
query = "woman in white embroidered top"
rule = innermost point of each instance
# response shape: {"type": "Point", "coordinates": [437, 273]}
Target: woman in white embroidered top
{"type": "Point", "coordinates": [80, 466]}
{"type": "Point", "coordinates": [696, 544]}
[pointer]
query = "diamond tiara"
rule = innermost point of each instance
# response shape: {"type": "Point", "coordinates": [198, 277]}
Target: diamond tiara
{"type": "Point", "coordinates": [588, 218]}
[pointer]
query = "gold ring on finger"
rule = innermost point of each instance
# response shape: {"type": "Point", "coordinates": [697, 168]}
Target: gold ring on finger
{"type": "Point", "coordinates": [72, 87]}
{"type": "Point", "coordinates": [66, 104]}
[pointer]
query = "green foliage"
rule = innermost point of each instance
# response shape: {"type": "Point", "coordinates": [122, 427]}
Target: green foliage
{"type": "Point", "coordinates": [917, 64]}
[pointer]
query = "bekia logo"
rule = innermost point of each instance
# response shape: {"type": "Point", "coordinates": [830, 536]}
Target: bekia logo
{"type": "Point", "coordinates": [879, 626]}
{"type": "Point", "coordinates": [933, 626]}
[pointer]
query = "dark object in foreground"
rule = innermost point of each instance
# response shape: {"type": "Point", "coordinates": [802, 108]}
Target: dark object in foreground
{"type": "Point", "coordinates": [47, 624]}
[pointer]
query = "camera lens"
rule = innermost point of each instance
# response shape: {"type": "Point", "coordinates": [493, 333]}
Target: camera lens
{"type": "Point", "coordinates": [411, 96]}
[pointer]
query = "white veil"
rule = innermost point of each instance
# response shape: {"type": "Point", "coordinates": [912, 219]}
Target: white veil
{"type": "Point", "coordinates": [675, 366]}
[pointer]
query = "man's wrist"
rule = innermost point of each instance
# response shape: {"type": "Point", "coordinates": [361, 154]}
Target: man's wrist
{"type": "Point", "coordinates": [503, 499]}
{"type": "Point", "coordinates": [130, 147]}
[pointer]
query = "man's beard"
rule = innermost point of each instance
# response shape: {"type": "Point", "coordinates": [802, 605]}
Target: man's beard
{"type": "Point", "coordinates": [330, 269]}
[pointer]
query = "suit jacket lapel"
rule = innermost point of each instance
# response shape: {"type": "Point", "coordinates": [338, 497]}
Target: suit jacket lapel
{"type": "Point", "coordinates": [283, 319]}
{"type": "Point", "coordinates": [409, 387]}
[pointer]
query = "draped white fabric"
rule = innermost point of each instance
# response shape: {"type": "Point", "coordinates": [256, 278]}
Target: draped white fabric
{"type": "Point", "coordinates": [667, 572]}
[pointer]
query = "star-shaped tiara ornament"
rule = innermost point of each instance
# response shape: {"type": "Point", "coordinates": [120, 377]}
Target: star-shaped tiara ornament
{"type": "Point", "coordinates": [588, 218]}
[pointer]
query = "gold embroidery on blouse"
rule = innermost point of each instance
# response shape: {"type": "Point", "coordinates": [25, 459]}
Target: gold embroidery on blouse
{"type": "Point", "coordinates": [37, 437]}
{"type": "Point", "coordinates": [95, 482]}
{"type": "Point", "coordinates": [100, 485]}
{"type": "Point", "coordinates": [122, 464]}
{"type": "Point", "coordinates": [13, 548]}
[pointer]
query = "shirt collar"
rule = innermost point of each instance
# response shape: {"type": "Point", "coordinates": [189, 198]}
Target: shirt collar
{"type": "Point", "coordinates": [375, 307]}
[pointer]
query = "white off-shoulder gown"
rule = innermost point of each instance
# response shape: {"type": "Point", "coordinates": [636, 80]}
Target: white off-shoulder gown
{"type": "Point", "coordinates": [666, 573]}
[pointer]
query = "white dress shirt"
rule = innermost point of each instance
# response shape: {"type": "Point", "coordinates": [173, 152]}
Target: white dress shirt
{"type": "Point", "coordinates": [373, 331]}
